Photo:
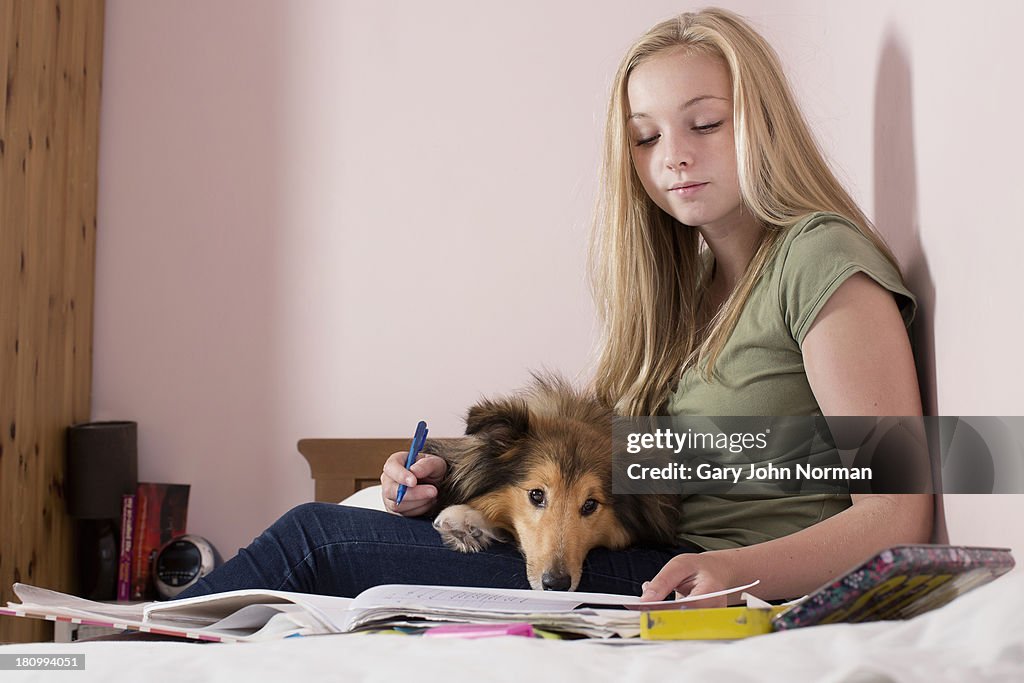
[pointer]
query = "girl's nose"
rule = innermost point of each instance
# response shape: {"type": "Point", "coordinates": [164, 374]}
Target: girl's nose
{"type": "Point", "coordinates": [677, 155]}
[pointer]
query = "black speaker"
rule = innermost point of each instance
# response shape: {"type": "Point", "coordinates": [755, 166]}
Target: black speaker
{"type": "Point", "coordinates": [102, 466]}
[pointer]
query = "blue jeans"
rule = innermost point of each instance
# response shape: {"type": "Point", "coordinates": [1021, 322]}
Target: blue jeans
{"type": "Point", "coordinates": [339, 550]}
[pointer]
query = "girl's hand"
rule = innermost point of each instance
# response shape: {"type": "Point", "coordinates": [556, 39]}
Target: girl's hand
{"type": "Point", "coordinates": [421, 482]}
{"type": "Point", "coordinates": [690, 573]}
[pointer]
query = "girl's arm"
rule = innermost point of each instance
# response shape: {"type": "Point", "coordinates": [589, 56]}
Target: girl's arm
{"type": "Point", "coordinates": [859, 362]}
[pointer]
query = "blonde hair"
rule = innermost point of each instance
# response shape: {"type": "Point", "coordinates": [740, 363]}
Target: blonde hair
{"type": "Point", "coordinates": [648, 275]}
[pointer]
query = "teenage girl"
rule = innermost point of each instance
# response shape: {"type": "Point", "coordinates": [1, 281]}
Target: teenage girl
{"type": "Point", "coordinates": [734, 276]}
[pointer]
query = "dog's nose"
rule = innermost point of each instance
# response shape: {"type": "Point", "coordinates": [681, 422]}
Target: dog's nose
{"type": "Point", "coordinates": [556, 581]}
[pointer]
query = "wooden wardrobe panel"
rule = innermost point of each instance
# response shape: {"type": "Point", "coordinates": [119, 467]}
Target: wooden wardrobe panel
{"type": "Point", "coordinates": [51, 59]}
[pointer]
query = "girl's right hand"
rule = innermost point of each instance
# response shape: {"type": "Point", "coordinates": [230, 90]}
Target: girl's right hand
{"type": "Point", "coordinates": [421, 482]}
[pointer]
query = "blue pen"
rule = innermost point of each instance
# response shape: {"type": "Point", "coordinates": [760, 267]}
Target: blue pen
{"type": "Point", "coordinates": [414, 450]}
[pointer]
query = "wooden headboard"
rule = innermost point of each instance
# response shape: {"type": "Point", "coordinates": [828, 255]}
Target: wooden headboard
{"type": "Point", "coordinates": [340, 467]}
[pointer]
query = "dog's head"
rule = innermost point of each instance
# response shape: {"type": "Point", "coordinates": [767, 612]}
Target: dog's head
{"type": "Point", "coordinates": [539, 465]}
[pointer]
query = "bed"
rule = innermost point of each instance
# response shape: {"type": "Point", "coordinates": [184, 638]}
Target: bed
{"type": "Point", "coordinates": [976, 638]}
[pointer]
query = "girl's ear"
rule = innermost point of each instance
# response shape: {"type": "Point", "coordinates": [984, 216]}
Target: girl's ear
{"type": "Point", "coordinates": [500, 423]}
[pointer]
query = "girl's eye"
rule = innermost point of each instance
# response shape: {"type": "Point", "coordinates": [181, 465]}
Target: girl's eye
{"type": "Point", "coordinates": [707, 128]}
{"type": "Point", "coordinates": [589, 506]}
{"type": "Point", "coordinates": [644, 142]}
{"type": "Point", "coordinates": [537, 497]}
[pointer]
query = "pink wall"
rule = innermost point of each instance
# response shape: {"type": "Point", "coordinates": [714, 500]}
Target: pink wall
{"type": "Point", "coordinates": [337, 218]}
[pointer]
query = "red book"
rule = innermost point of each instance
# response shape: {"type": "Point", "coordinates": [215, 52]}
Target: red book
{"type": "Point", "coordinates": [124, 565]}
{"type": "Point", "coordinates": [161, 512]}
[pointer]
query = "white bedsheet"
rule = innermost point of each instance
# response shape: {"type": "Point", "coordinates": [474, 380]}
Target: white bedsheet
{"type": "Point", "coordinates": [976, 638]}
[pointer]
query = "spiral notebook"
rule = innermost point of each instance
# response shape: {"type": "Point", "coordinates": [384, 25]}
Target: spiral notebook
{"type": "Point", "coordinates": [898, 583]}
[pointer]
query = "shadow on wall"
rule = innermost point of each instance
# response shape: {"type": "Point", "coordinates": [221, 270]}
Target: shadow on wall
{"type": "Point", "coordinates": [896, 214]}
{"type": "Point", "coordinates": [896, 217]}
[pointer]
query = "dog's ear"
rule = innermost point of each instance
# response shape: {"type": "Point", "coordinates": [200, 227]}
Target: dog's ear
{"type": "Point", "coordinates": [500, 423]}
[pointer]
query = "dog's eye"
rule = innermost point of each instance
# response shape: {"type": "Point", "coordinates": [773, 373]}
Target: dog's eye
{"type": "Point", "coordinates": [537, 496]}
{"type": "Point", "coordinates": [589, 506]}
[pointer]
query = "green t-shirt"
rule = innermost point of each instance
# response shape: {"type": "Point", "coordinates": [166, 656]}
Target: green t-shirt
{"type": "Point", "coordinates": [760, 371]}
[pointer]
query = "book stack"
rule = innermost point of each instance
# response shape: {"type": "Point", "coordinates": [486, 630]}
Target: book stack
{"type": "Point", "coordinates": [152, 516]}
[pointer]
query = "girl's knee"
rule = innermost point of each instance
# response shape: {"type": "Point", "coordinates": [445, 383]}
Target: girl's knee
{"type": "Point", "coordinates": [328, 516]}
{"type": "Point", "coordinates": [312, 525]}
{"type": "Point", "coordinates": [305, 515]}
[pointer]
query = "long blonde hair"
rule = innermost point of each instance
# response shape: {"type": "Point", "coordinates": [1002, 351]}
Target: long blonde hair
{"type": "Point", "coordinates": [647, 272]}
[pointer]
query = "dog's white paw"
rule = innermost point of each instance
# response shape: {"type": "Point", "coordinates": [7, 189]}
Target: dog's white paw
{"type": "Point", "coordinates": [465, 529]}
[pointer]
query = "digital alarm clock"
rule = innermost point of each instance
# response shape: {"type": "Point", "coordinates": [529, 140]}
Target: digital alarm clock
{"type": "Point", "coordinates": [181, 562]}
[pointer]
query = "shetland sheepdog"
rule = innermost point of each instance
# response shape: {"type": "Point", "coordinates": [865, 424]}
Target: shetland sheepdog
{"type": "Point", "coordinates": [536, 468]}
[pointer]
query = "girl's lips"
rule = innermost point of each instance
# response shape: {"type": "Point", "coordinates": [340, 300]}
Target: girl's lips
{"type": "Point", "coordinates": [687, 190]}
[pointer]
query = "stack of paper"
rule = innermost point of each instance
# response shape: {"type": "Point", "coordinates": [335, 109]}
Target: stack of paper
{"type": "Point", "coordinates": [265, 614]}
{"type": "Point", "coordinates": [584, 614]}
{"type": "Point", "coordinates": [389, 606]}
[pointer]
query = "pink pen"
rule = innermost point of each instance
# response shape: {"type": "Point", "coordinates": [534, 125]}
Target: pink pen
{"type": "Point", "coordinates": [480, 630]}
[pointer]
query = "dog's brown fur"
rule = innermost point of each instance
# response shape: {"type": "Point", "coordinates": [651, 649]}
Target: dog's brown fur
{"type": "Point", "coordinates": [536, 467]}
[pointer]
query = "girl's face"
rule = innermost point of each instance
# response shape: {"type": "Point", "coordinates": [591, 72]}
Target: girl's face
{"type": "Point", "coordinates": [681, 135]}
